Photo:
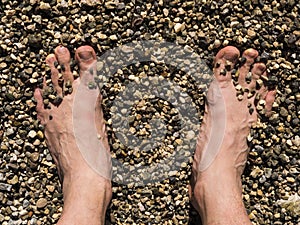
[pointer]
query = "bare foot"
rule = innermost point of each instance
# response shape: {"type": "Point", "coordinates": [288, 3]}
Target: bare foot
{"type": "Point", "coordinates": [86, 193]}
{"type": "Point", "coordinates": [216, 185]}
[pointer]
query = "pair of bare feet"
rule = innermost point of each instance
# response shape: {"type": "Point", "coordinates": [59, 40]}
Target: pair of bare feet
{"type": "Point", "coordinates": [216, 191]}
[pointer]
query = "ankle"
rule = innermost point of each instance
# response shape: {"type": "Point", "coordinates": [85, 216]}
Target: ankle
{"type": "Point", "coordinates": [219, 201]}
{"type": "Point", "coordinates": [85, 199]}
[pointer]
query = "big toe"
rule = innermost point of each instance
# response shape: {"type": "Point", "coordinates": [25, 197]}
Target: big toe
{"type": "Point", "coordinates": [224, 63]}
{"type": "Point", "coordinates": [86, 57]}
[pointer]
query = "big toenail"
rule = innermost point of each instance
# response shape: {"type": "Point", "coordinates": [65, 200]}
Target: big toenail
{"type": "Point", "coordinates": [86, 55]}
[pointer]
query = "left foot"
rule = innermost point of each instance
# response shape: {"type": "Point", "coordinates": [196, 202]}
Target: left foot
{"type": "Point", "coordinates": [86, 193]}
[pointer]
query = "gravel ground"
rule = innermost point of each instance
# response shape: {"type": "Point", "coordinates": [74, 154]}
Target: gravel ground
{"type": "Point", "coordinates": [30, 192]}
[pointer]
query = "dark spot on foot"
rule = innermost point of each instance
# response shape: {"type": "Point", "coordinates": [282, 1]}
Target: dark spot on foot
{"type": "Point", "coordinates": [50, 117]}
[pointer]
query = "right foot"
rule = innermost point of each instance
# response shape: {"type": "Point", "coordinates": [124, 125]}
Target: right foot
{"type": "Point", "coordinates": [216, 185]}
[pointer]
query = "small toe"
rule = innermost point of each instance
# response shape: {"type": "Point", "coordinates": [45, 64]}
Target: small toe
{"type": "Point", "coordinates": [63, 57]}
{"type": "Point", "coordinates": [258, 70]}
{"type": "Point", "coordinates": [52, 62]}
{"type": "Point", "coordinates": [270, 98]}
{"type": "Point", "coordinates": [247, 60]}
{"type": "Point", "coordinates": [39, 100]}
{"type": "Point", "coordinates": [224, 63]}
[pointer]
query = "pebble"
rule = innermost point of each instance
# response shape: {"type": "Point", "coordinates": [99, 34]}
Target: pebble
{"type": "Point", "coordinates": [179, 27]}
{"type": "Point", "coordinates": [41, 203]}
{"type": "Point", "coordinates": [269, 27]}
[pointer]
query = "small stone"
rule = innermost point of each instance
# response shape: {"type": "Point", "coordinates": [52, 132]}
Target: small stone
{"type": "Point", "coordinates": [166, 12]}
{"type": "Point", "coordinates": [5, 187]}
{"type": "Point", "coordinates": [251, 33]}
{"type": "Point", "coordinates": [101, 36]}
{"type": "Point", "coordinates": [113, 37]}
{"type": "Point", "coordinates": [45, 6]}
{"type": "Point", "coordinates": [32, 134]}
{"type": "Point", "coordinates": [179, 27]}
{"type": "Point", "coordinates": [14, 180]}
{"type": "Point", "coordinates": [34, 157]}
{"type": "Point", "coordinates": [290, 179]}
{"type": "Point", "coordinates": [40, 134]}
{"type": "Point", "coordinates": [41, 203]}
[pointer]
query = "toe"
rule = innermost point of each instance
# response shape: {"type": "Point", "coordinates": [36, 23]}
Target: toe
{"type": "Point", "coordinates": [224, 63]}
{"type": "Point", "coordinates": [52, 62]}
{"type": "Point", "coordinates": [258, 70]}
{"type": "Point", "coordinates": [270, 98]}
{"type": "Point", "coordinates": [39, 99]}
{"type": "Point", "coordinates": [63, 57]}
{"type": "Point", "coordinates": [247, 60]}
{"type": "Point", "coordinates": [86, 58]}
{"type": "Point", "coordinates": [39, 105]}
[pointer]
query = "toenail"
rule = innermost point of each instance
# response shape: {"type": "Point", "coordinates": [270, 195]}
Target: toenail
{"type": "Point", "coordinates": [85, 55]}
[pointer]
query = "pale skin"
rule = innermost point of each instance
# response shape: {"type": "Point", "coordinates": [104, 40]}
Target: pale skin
{"type": "Point", "coordinates": [216, 192]}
